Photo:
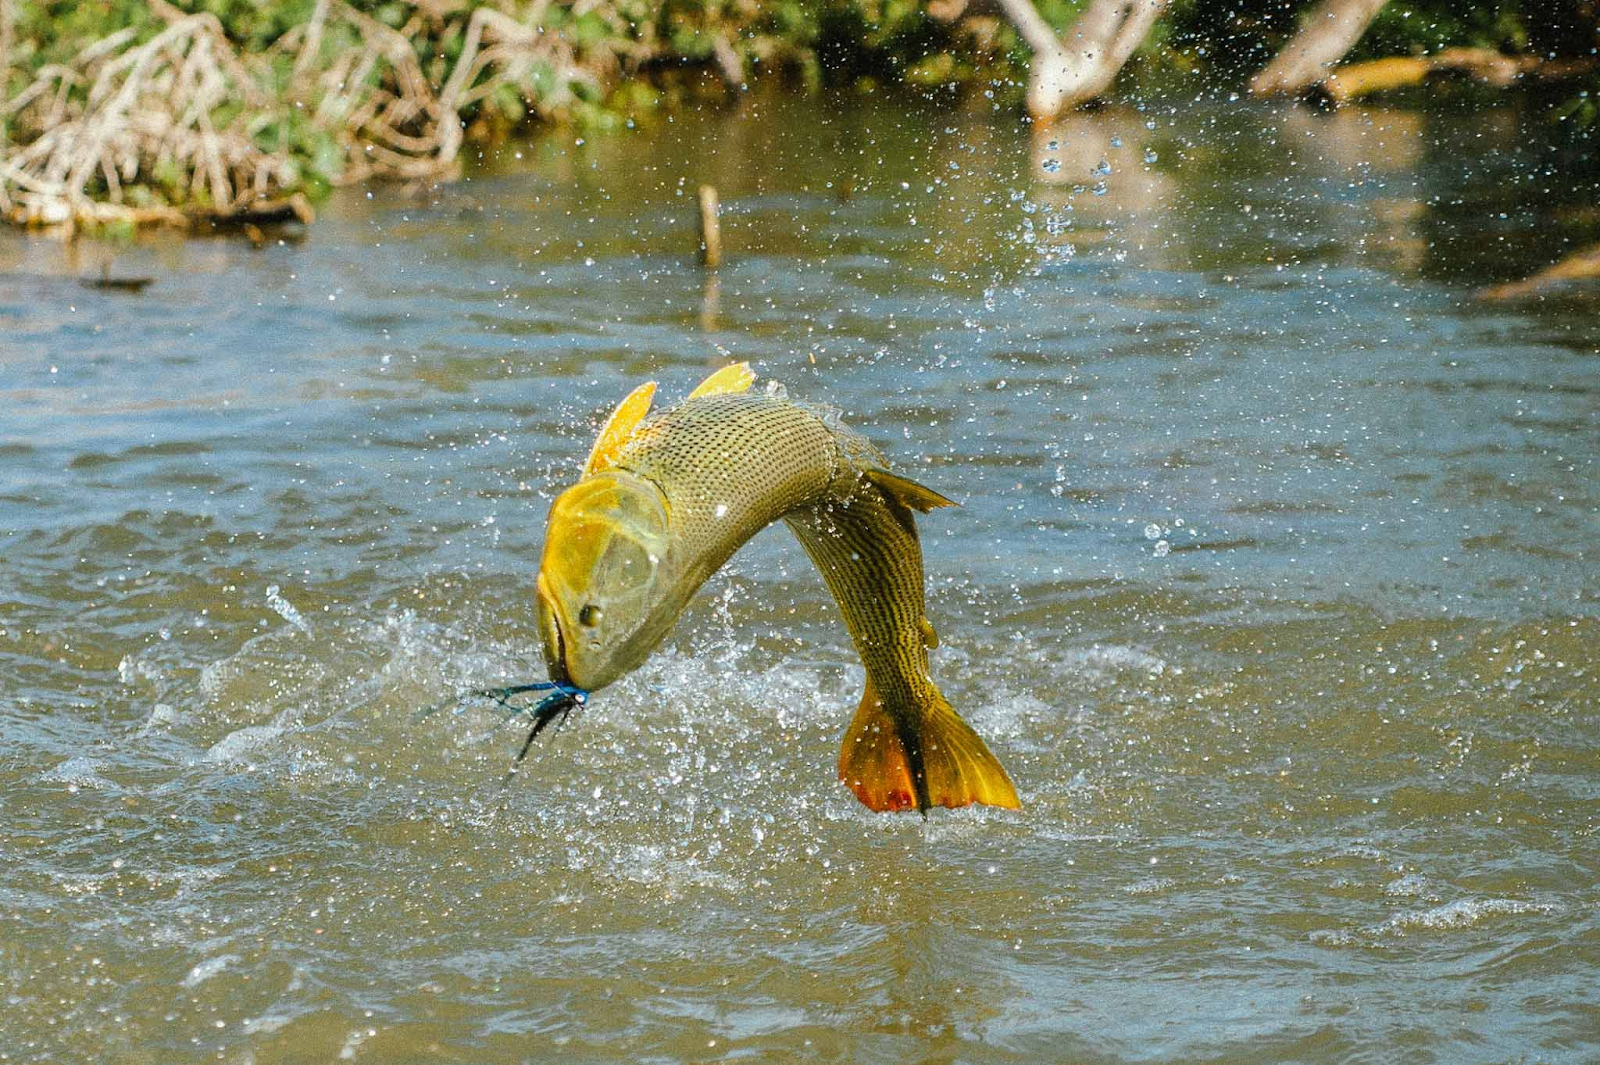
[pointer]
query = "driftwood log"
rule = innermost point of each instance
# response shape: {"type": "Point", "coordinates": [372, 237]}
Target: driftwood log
{"type": "Point", "coordinates": [1310, 60]}
{"type": "Point", "coordinates": [1582, 265]}
{"type": "Point", "coordinates": [1497, 69]}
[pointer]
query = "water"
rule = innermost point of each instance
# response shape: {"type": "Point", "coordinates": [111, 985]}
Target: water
{"type": "Point", "coordinates": [1274, 588]}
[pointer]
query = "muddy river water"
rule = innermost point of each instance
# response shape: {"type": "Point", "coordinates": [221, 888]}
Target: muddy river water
{"type": "Point", "coordinates": [1274, 585]}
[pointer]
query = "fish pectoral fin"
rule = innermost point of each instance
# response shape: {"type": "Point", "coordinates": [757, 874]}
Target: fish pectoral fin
{"type": "Point", "coordinates": [960, 767]}
{"type": "Point", "coordinates": [907, 492]}
{"type": "Point", "coordinates": [619, 428]}
{"type": "Point", "coordinates": [873, 760]}
{"type": "Point", "coordinates": [737, 377]}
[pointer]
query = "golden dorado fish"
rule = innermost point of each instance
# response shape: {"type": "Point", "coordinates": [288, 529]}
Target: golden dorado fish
{"type": "Point", "coordinates": [665, 500]}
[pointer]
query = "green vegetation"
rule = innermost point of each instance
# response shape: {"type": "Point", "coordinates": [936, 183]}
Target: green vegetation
{"type": "Point", "coordinates": [129, 110]}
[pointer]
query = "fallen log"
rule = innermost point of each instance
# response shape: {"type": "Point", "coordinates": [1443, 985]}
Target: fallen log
{"type": "Point", "coordinates": [1496, 69]}
{"type": "Point", "coordinates": [1581, 265]}
{"type": "Point", "coordinates": [68, 218]}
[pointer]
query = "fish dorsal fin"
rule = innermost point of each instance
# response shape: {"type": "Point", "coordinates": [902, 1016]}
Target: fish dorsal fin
{"type": "Point", "coordinates": [736, 377]}
{"type": "Point", "coordinates": [908, 492]}
{"type": "Point", "coordinates": [618, 429]}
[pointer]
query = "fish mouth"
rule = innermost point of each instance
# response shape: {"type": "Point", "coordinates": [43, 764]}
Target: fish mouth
{"type": "Point", "coordinates": [555, 651]}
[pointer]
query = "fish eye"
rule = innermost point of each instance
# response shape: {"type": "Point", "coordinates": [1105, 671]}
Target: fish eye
{"type": "Point", "coordinates": [589, 616]}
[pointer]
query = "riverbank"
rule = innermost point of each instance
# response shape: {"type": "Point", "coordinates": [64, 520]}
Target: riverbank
{"type": "Point", "coordinates": [1273, 580]}
{"type": "Point", "coordinates": [150, 112]}
{"type": "Point", "coordinates": [232, 113]}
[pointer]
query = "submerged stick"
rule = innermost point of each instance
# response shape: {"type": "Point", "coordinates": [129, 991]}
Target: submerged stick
{"type": "Point", "coordinates": [710, 228]}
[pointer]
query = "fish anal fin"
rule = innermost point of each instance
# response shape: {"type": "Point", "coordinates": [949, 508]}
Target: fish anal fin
{"type": "Point", "coordinates": [619, 428]}
{"type": "Point", "coordinates": [930, 638]}
{"type": "Point", "coordinates": [960, 768]}
{"type": "Point", "coordinates": [873, 760]}
{"type": "Point", "coordinates": [736, 377]}
{"type": "Point", "coordinates": [907, 492]}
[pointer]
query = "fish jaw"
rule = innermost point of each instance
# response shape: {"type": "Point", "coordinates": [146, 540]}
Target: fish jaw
{"type": "Point", "coordinates": [554, 625]}
{"type": "Point", "coordinates": [606, 542]}
{"type": "Point", "coordinates": [550, 633]}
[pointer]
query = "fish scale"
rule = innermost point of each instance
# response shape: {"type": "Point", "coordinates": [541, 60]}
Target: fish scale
{"type": "Point", "coordinates": [718, 468]}
{"type": "Point", "coordinates": [871, 561]}
{"type": "Point", "coordinates": [731, 465]}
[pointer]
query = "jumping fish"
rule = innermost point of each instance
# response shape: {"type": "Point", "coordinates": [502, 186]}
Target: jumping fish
{"type": "Point", "coordinates": [663, 502]}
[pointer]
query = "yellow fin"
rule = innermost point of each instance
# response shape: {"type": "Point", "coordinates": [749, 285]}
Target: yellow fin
{"type": "Point", "coordinates": [619, 428]}
{"type": "Point", "coordinates": [873, 760]}
{"type": "Point", "coordinates": [736, 377]}
{"type": "Point", "coordinates": [908, 492]}
{"type": "Point", "coordinates": [959, 766]}
{"type": "Point", "coordinates": [930, 638]}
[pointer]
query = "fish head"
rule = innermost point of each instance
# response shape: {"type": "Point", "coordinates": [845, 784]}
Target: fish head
{"type": "Point", "coordinates": [600, 577]}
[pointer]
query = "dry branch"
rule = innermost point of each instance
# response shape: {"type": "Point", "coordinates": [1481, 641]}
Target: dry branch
{"type": "Point", "coordinates": [183, 117]}
{"type": "Point", "coordinates": [1580, 266]}
{"type": "Point", "coordinates": [1082, 64]}
{"type": "Point", "coordinates": [710, 228]}
{"type": "Point", "coordinates": [1356, 80]}
{"type": "Point", "coordinates": [1331, 30]}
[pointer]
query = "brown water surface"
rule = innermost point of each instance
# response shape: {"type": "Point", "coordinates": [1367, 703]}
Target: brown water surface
{"type": "Point", "coordinates": [1275, 587]}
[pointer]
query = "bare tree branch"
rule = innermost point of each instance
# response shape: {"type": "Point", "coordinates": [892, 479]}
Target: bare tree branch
{"type": "Point", "coordinates": [1036, 32]}
{"type": "Point", "coordinates": [1331, 30]}
{"type": "Point", "coordinates": [1082, 64]}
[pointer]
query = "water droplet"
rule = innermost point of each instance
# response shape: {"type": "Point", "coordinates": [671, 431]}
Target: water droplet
{"type": "Point", "coordinates": [1152, 531]}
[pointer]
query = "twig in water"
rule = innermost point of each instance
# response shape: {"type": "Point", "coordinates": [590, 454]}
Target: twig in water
{"type": "Point", "coordinates": [710, 228]}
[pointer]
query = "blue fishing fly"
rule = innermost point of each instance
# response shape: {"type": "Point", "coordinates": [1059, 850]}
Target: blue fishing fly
{"type": "Point", "coordinates": [555, 706]}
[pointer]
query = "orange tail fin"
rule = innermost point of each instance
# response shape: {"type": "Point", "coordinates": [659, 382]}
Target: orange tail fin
{"type": "Point", "coordinates": [957, 768]}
